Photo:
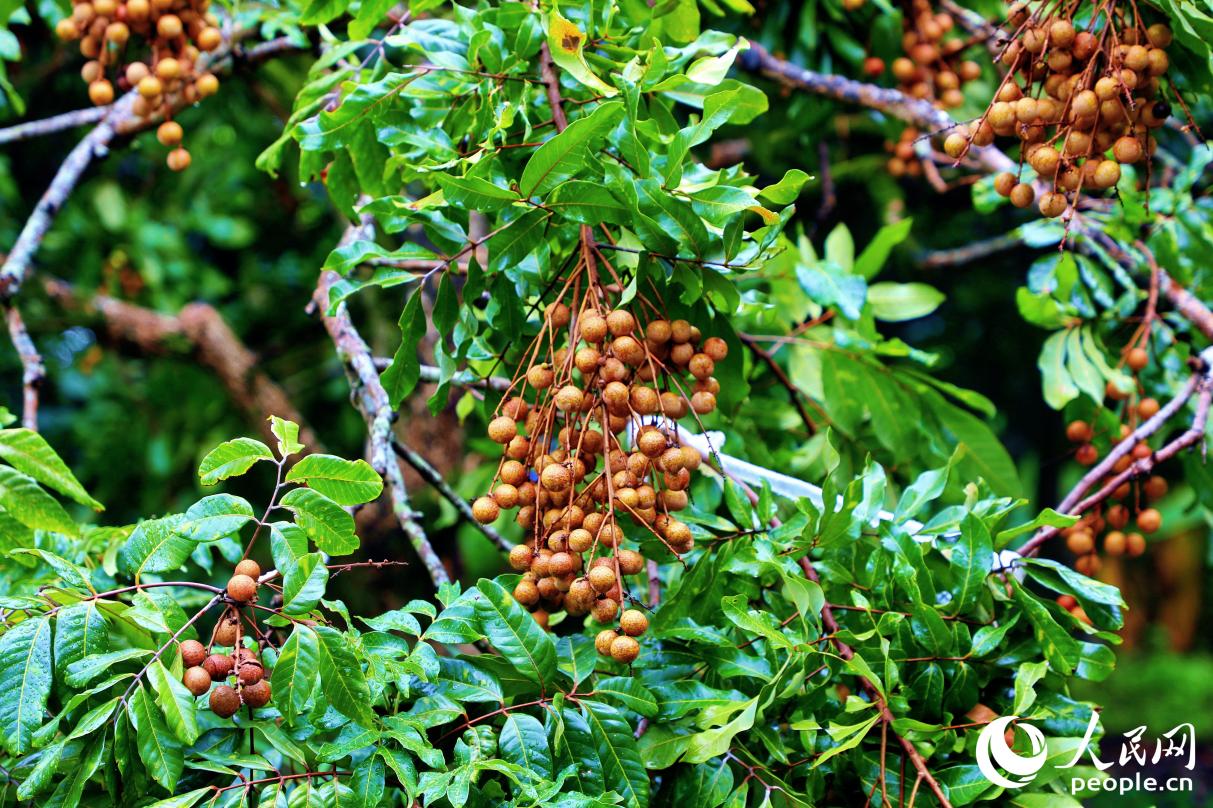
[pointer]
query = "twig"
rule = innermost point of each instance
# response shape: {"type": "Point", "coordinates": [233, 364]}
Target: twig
{"type": "Point", "coordinates": [432, 476]}
{"type": "Point", "coordinates": [55, 123]}
{"type": "Point", "coordinates": [33, 369]}
{"type": "Point", "coordinates": [794, 392]}
{"type": "Point", "coordinates": [938, 259]}
{"type": "Point", "coordinates": [371, 400]}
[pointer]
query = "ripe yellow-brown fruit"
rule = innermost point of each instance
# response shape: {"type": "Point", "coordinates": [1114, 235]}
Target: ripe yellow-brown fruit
{"type": "Point", "coordinates": [601, 578]}
{"type": "Point", "coordinates": [1137, 359]}
{"type": "Point", "coordinates": [225, 702]}
{"type": "Point", "coordinates": [257, 694]}
{"type": "Point", "coordinates": [1053, 204]}
{"type": "Point", "coordinates": [1079, 432]}
{"type": "Point", "coordinates": [605, 609]}
{"type": "Point", "coordinates": [1155, 487]}
{"type": "Point", "coordinates": [633, 622]}
{"type": "Point", "coordinates": [502, 429]}
{"type": "Point", "coordinates": [1114, 543]}
{"type": "Point", "coordinates": [602, 642]}
{"type": "Point", "coordinates": [1022, 195]}
{"type": "Point", "coordinates": [630, 562]}
{"type": "Point", "coordinates": [558, 314]}
{"type": "Point", "coordinates": [66, 29]}
{"type": "Point", "coordinates": [1088, 565]}
{"type": "Point", "coordinates": [1117, 516]}
{"type": "Point", "coordinates": [526, 593]}
{"type": "Point", "coordinates": [206, 84]}
{"type": "Point", "coordinates": [101, 92]}
{"type": "Point", "coordinates": [1148, 407]}
{"type": "Point", "coordinates": [250, 672]}
{"type": "Point", "coordinates": [485, 510]}
{"type": "Point", "coordinates": [1149, 520]}
{"type": "Point", "coordinates": [209, 38]}
{"type": "Point", "coordinates": [168, 68]}
{"type": "Point", "coordinates": [540, 377]}
{"type": "Point", "coordinates": [242, 588]}
{"type": "Point", "coordinates": [556, 477]}
{"type": "Point", "coordinates": [1135, 544]}
{"type": "Point", "coordinates": [169, 26]}
{"type": "Point", "coordinates": [1080, 543]}
{"type": "Point", "coordinates": [955, 144]}
{"type": "Point", "coordinates": [625, 650]}
{"type": "Point", "coordinates": [169, 133]}
{"type": "Point", "coordinates": [520, 557]}
{"type": "Point", "coordinates": [227, 630]}
{"type": "Point", "coordinates": [218, 665]}
{"type": "Point", "coordinates": [193, 653]}
{"type": "Point", "coordinates": [568, 398]}
{"type": "Point", "coordinates": [703, 402]}
{"type": "Point", "coordinates": [1087, 454]}
{"type": "Point", "coordinates": [248, 567]}
{"type": "Point", "coordinates": [621, 323]}
{"type": "Point", "coordinates": [196, 680]}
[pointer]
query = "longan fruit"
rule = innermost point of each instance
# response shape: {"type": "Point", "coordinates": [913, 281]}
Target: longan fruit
{"type": "Point", "coordinates": [1159, 35]}
{"type": "Point", "coordinates": [1114, 543]}
{"type": "Point", "coordinates": [1087, 454]}
{"type": "Point", "coordinates": [633, 622]}
{"type": "Point", "coordinates": [228, 630]}
{"type": "Point", "coordinates": [580, 540]}
{"type": "Point", "coordinates": [1148, 407]}
{"type": "Point", "coordinates": [66, 29]}
{"type": "Point", "coordinates": [955, 144]}
{"type": "Point", "coordinates": [558, 314]}
{"type": "Point", "coordinates": [555, 477]}
{"type": "Point", "coordinates": [644, 400]}
{"type": "Point", "coordinates": [1022, 195]}
{"type": "Point", "coordinates": [625, 650]}
{"type": "Point", "coordinates": [701, 366]}
{"type": "Point", "coordinates": [603, 640]}
{"type": "Point", "coordinates": [248, 567]}
{"type": "Point", "coordinates": [1155, 487]}
{"type": "Point", "coordinates": [249, 673]}
{"type": "Point", "coordinates": [193, 653]}
{"type": "Point", "coordinates": [568, 398]}
{"type": "Point", "coordinates": [209, 38]}
{"type": "Point", "coordinates": [485, 510]}
{"type": "Point", "coordinates": [601, 578]}
{"type": "Point", "coordinates": [224, 701]}
{"type": "Point", "coordinates": [256, 694]}
{"type": "Point", "coordinates": [526, 593]}
{"type": "Point", "coordinates": [621, 322]}
{"type": "Point", "coordinates": [1053, 204]}
{"type": "Point", "coordinates": [1149, 520]}
{"type": "Point", "coordinates": [101, 92]}
{"type": "Point", "coordinates": [604, 610]}
{"type": "Point", "coordinates": [1088, 565]}
{"type": "Point", "coordinates": [196, 680]}
{"type": "Point", "coordinates": [630, 562]}
{"type": "Point", "coordinates": [1079, 432]}
{"type": "Point", "coordinates": [703, 402]}
{"type": "Point", "coordinates": [1067, 602]}
{"type": "Point", "coordinates": [561, 564]}
{"type": "Point", "coordinates": [169, 26]}
{"type": "Point", "coordinates": [1135, 544]}
{"type": "Point", "coordinates": [502, 429]}
{"type": "Point", "coordinates": [1080, 543]}
{"type": "Point", "coordinates": [241, 588]}
{"type": "Point", "coordinates": [178, 159]}
{"type": "Point", "coordinates": [540, 377]}
{"type": "Point", "coordinates": [506, 496]}
{"type": "Point", "coordinates": [1117, 516]}
{"type": "Point", "coordinates": [206, 84]}
{"type": "Point", "coordinates": [1137, 359]}
{"type": "Point", "coordinates": [218, 665]}
{"type": "Point", "coordinates": [520, 557]}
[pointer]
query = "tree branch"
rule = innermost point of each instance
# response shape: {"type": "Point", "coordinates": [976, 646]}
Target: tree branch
{"type": "Point", "coordinates": [371, 400]}
{"type": "Point", "coordinates": [216, 345]}
{"type": "Point", "coordinates": [34, 371]}
{"type": "Point", "coordinates": [55, 123]}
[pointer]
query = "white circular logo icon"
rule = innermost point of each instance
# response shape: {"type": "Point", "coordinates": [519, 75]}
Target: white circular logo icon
{"type": "Point", "coordinates": [994, 754]}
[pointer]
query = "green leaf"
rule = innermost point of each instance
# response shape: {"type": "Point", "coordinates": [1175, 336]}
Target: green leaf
{"type": "Point", "coordinates": [25, 681]}
{"type": "Point", "coordinates": [871, 260]}
{"type": "Point", "coordinates": [215, 517]}
{"type": "Point", "coordinates": [325, 522]}
{"type": "Point", "coordinates": [341, 676]}
{"type": "Point", "coordinates": [1059, 388]}
{"type": "Point", "coordinates": [25, 501]}
{"type": "Point", "coordinates": [402, 375]}
{"type": "Point", "coordinates": [27, 451]}
{"type": "Point", "coordinates": [787, 189]}
{"type": "Point", "coordinates": [622, 767]}
{"type": "Point", "coordinates": [159, 750]}
{"type": "Point", "coordinates": [846, 736]}
{"type": "Point", "coordinates": [896, 302]}
{"type": "Point", "coordinates": [366, 785]}
{"type": "Point", "coordinates": [294, 675]}
{"type": "Point", "coordinates": [287, 433]}
{"type": "Point", "coordinates": [303, 585]}
{"type": "Point", "coordinates": [629, 692]}
{"type": "Point", "coordinates": [81, 630]}
{"type": "Point", "coordinates": [83, 671]}
{"type": "Point", "coordinates": [231, 459]}
{"type": "Point", "coordinates": [1059, 648]}
{"type": "Point", "coordinates": [513, 632]}
{"type": "Point", "coordinates": [346, 482]}
{"type": "Point", "coordinates": [560, 158]}
{"type": "Point", "coordinates": [155, 546]}
{"type": "Point", "coordinates": [523, 742]}
{"type": "Point", "coordinates": [972, 557]}
{"type": "Point", "coordinates": [588, 203]}
{"type": "Point", "coordinates": [94, 718]}
{"type": "Point", "coordinates": [72, 575]}
{"type": "Point", "coordinates": [474, 193]}
{"type": "Point", "coordinates": [828, 284]}
{"type": "Point", "coordinates": [176, 701]}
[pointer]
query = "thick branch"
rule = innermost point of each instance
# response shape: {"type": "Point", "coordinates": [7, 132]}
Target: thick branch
{"type": "Point", "coordinates": [919, 112]}
{"type": "Point", "coordinates": [56, 123]}
{"type": "Point", "coordinates": [372, 402]}
{"type": "Point", "coordinates": [34, 371]}
{"type": "Point", "coordinates": [216, 346]}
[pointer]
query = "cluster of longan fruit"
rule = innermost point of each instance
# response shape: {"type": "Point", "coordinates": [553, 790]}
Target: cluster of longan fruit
{"type": "Point", "coordinates": [589, 438]}
{"type": "Point", "coordinates": [1082, 103]}
{"type": "Point", "coordinates": [934, 68]}
{"type": "Point", "coordinates": [903, 160]}
{"type": "Point", "coordinates": [1114, 517]}
{"type": "Point", "coordinates": [240, 674]}
{"type": "Point", "coordinates": [177, 32]}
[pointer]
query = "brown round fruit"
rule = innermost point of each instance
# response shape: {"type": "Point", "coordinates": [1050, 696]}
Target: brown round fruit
{"type": "Point", "coordinates": [193, 653]}
{"type": "Point", "coordinates": [1079, 432]}
{"type": "Point", "coordinates": [1149, 520]}
{"type": "Point", "coordinates": [224, 701]}
{"type": "Point", "coordinates": [250, 672]}
{"type": "Point", "coordinates": [603, 641]}
{"type": "Point", "coordinates": [228, 630]}
{"type": "Point", "coordinates": [625, 650]}
{"type": "Point", "coordinates": [196, 680]}
{"type": "Point", "coordinates": [178, 159]}
{"type": "Point", "coordinates": [241, 588]}
{"type": "Point", "coordinates": [218, 665]}
{"type": "Point", "coordinates": [633, 622]}
{"type": "Point", "coordinates": [485, 510]}
{"type": "Point", "coordinates": [256, 694]}
{"type": "Point", "coordinates": [1135, 544]}
{"type": "Point", "coordinates": [248, 567]}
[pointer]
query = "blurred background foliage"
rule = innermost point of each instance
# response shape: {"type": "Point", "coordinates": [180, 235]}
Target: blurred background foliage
{"type": "Point", "coordinates": [133, 424]}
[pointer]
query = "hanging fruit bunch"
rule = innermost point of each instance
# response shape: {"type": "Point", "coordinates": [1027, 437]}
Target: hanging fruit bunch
{"type": "Point", "coordinates": [589, 442]}
{"type": "Point", "coordinates": [934, 68]}
{"type": "Point", "coordinates": [1120, 524]}
{"type": "Point", "coordinates": [903, 159]}
{"type": "Point", "coordinates": [175, 33]}
{"type": "Point", "coordinates": [1082, 94]}
{"type": "Point", "coordinates": [240, 675]}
